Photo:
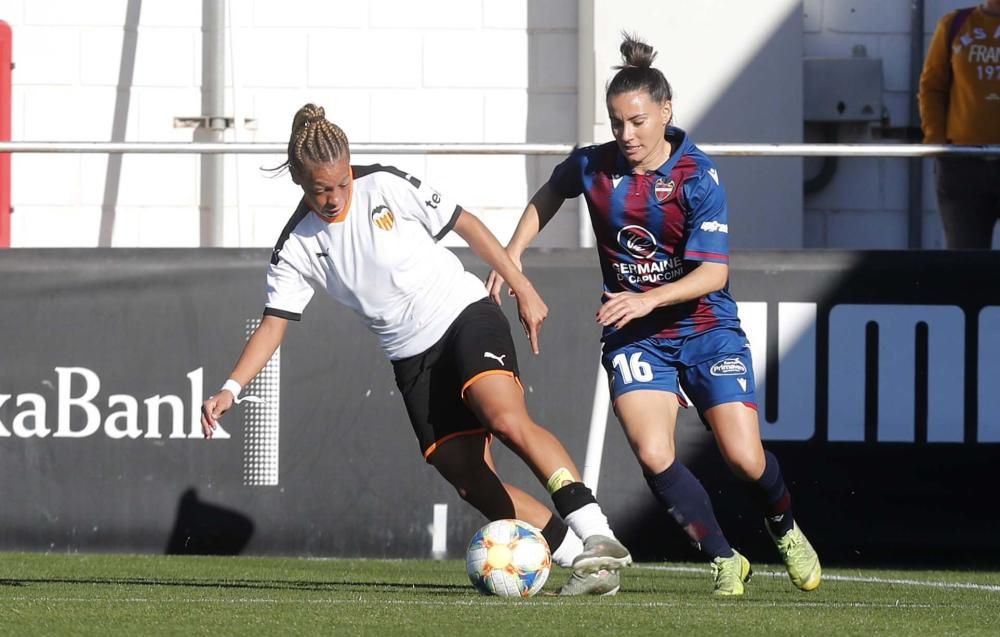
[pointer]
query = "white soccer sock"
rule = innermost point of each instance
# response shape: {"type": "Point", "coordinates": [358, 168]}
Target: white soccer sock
{"type": "Point", "coordinates": [589, 520]}
{"type": "Point", "coordinates": [570, 547]}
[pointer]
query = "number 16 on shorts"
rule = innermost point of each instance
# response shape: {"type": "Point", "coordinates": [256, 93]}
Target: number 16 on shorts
{"type": "Point", "coordinates": [639, 366]}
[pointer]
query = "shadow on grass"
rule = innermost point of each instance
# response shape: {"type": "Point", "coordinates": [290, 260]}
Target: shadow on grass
{"type": "Point", "coordinates": [290, 585]}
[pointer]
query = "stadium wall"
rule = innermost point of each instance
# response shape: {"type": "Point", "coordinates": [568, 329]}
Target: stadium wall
{"type": "Point", "coordinates": [389, 71]}
{"type": "Point", "coordinates": [865, 204]}
{"type": "Point", "coordinates": [735, 72]}
{"type": "Point", "coordinates": [437, 71]}
{"type": "Point", "coordinates": [877, 377]}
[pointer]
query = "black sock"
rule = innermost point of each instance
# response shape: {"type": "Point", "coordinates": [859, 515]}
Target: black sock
{"type": "Point", "coordinates": [773, 497]}
{"type": "Point", "coordinates": [554, 532]}
{"type": "Point", "coordinates": [687, 501]}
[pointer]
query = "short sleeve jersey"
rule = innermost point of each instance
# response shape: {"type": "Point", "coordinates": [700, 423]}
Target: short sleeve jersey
{"type": "Point", "coordinates": [651, 228]}
{"type": "Point", "coordinates": [381, 258]}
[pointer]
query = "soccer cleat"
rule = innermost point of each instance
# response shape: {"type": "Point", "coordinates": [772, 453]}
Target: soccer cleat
{"type": "Point", "coordinates": [603, 582]}
{"type": "Point", "coordinates": [730, 573]}
{"type": "Point", "coordinates": [601, 552]}
{"type": "Point", "coordinates": [800, 558]}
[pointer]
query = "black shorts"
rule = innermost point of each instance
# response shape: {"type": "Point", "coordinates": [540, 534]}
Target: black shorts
{"type": "Point", "coordinates": [433, 383]}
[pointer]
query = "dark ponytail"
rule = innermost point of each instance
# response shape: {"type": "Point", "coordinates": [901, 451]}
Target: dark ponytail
{"type": "Point", "coordinates": [637, 72]}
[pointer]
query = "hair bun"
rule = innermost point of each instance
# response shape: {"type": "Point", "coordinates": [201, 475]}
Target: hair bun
{"type": "Point", "coordinates": [635, 53]}
{"type": "Point", "coordinates": [309, 114]}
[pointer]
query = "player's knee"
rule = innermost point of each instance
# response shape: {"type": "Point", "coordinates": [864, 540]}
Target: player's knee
{"type": "Point", "coordinates": [655, 459]}
{"type": "Point", "coordinates": [746, 466]}
{"type": "Point", "coordinates": [512, 429]}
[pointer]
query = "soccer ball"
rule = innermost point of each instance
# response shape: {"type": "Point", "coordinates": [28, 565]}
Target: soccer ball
{"type": "Point", "coordinates": [509, 558]}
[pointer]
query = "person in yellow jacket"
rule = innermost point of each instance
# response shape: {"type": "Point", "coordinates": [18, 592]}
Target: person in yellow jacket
{"type": "Point", "coordinates": [960, 104]}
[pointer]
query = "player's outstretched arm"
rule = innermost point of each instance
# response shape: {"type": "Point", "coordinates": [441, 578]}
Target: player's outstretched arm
{"type": "Point", "coordinates": [258, 350]}
{"type": "Point", "coordinates": [530, 306]}
{"type": "Point", "coordinates": [542, 207]}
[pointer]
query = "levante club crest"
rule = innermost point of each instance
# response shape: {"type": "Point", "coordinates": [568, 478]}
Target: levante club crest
{"type": "Point", "coordinates": [663, 188]}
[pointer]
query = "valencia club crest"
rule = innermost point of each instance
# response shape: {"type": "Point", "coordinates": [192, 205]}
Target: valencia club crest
{"type": "Point", "coordinates": [383, 218]}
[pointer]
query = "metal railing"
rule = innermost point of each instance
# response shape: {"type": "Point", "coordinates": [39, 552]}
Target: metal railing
{"type": "Point", "coordinates": [912, 151]}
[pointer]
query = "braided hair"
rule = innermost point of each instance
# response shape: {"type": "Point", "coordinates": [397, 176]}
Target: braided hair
{"type": "Point", "coordinates": [314, 140]}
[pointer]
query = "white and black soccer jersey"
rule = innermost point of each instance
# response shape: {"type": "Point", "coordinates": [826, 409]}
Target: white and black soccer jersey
{"type": "Point", "coordinates": [381, 258]}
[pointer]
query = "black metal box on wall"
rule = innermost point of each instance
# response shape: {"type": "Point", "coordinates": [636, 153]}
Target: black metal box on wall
{"type": "Point", "coordinates": [842, 89]}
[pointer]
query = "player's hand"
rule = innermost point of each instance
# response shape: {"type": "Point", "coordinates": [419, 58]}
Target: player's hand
{"type": "Point", "coordinates": [531, 309]}
{"type": "Point", "coordinates": [212, 409]}
{"type": "Point", "coordinates": [495, 282]}
{"type": "Point", "coordinates": [494, 285]}
{"type": "Point", "coordinates": [622, 307]}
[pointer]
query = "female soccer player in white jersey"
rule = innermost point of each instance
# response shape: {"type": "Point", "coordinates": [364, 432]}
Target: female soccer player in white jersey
{"type": "Point", "coordinates": [369, 235]}
{"type": "Point", "coordinates": [660, 219]}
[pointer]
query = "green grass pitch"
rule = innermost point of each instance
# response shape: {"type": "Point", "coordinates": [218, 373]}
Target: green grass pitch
{"type": "Point", "coordinates": [46, 594]}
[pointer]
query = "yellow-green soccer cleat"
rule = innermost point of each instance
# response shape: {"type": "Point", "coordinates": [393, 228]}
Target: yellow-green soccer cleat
{"type": "Point", "coordinates": [603, 582]}
{"type": "Point", "coordinates": [800, 558]}
{"type": "Point", "coordinates": [730, 573]}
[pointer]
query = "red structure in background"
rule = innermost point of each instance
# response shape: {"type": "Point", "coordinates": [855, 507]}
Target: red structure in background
{"type": "Point", "coordinates": [5, 88]}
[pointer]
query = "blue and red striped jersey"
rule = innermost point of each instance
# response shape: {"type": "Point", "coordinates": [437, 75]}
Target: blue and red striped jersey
{"type": "Point", "coordinates": [651, 228]}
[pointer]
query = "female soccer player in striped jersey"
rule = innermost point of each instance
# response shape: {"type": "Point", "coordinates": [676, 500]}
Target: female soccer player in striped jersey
{"type": "Point", "coordinates": [659, 216]}
{"type": "Point", "coordinates": [369, 235]}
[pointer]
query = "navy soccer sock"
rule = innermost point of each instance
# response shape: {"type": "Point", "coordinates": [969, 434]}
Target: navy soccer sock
{"type": "Point", "coordinates": [773, 497]}
{"type": "Point", "coordinates": [687, 501]}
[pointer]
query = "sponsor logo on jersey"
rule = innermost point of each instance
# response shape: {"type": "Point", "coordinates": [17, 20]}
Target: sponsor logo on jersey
{"type": "Point", "coordinates": [615, 180]}
{"type": "Point", "coordinates": [715, 226]}
{"type": "Point", "coordinates": [649, 271]}
{"type": "Point", "coordinates": [637, 241]}
{"type": "Point", "coordinates": [743, 383]}
{"type": "Point", "coordinates": [729, 367]}
{"type": "Point", "coordinates": [383, 218]}
{"type": "Point", "coordinates": [663, 188]}
{"type": "Point", "coordinates": [714, 174]}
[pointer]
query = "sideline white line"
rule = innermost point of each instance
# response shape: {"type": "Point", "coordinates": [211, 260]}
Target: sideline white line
{"type": "Point", "coordinates": [993, 588]}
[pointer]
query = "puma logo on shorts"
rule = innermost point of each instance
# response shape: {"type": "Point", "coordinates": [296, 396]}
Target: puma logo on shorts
{"type": "Point", "coordinates": [499, 359]}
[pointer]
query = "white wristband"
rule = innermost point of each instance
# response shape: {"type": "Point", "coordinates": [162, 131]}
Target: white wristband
{"type": "Point", "coordinates": [232, 387]}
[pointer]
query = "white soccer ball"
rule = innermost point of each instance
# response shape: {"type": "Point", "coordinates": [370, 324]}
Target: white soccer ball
{"type": "Point", "coordinates": [509, 558]}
